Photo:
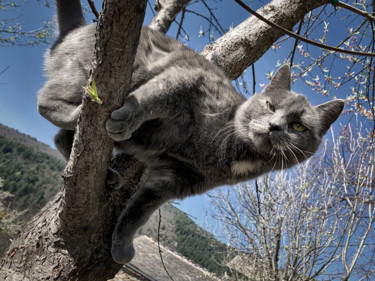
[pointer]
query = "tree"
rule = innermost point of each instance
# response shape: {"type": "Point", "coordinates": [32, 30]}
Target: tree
{"type": "Point", "coordinates": [316, 221]}
{"type": "Point", "coordinates": [70, 238]}
{"type": "Point", "coordinates": [12, 33]}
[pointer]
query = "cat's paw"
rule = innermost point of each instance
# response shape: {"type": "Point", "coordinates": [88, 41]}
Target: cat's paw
{"type": "Point", "coordinates": [114, 179]}
{"type": "Point", "coordinates": [124, 121]}
{"type": "Point", "coordinates": [122, 254]}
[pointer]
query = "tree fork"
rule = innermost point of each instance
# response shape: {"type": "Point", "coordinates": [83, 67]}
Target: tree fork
{"type": "Point", "coordinates": [61, 242]}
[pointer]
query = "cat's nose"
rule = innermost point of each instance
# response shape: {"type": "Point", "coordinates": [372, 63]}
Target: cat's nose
{"type": "Point", "coordinates": [274, 127]}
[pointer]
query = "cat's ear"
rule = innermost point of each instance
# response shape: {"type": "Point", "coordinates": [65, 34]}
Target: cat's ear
{"type": "Point", "coordinates": [328, 113]}
{"type": "Point", "coordinates": [281, 80]}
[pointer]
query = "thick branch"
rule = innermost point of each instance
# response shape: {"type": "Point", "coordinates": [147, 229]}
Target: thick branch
{"type": "Point", "coordinates": [70, 239]}
{"type": "Point", "coordinates": [167, 11]}
{"type": "Point", "coordinates": [239, 48]}
{"type": "Point", "coordinates": [303, 39]}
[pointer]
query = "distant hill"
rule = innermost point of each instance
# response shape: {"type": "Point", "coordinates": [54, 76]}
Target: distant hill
{"type": "Point", "coordinates": [30, 174]}
{"type": "Point", "coordinates": [28, 141]}
{"type": "Point", "coordinates": [180, 233]}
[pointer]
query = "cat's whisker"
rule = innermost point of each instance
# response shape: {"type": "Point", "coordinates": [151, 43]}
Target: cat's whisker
{"type": "Point", "coordinates": [290, 149]}
{"type": "Point", "coordinates": [272, 154]}
{"type": "Point", "coordinates": [277, 158]}
{"type": "Point", "coordinates": [229, 134]}
{"type": "Point", "coordinates": [224, 130]}
{"type": "Point", "coordinates": [303, 152]}
{"type": "Point", "coordinates": [221, 131]}
{"type": "Point", "coordinates": [284, 154]}
{"type": "Point", "coordinates": [281, 159]}
{"type": "Point", "coordinates": [294, 149]}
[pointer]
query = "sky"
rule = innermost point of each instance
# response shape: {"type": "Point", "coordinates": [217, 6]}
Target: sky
{"type": "Point", "coordinates": [20, 83]}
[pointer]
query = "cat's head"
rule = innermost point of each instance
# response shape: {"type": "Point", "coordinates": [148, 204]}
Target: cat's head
{"type": "Point", "coordinates": [282, 125]}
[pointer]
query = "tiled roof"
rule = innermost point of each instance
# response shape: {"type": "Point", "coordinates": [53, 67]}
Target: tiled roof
{"type": "Point", "coordinates": [147, 260]}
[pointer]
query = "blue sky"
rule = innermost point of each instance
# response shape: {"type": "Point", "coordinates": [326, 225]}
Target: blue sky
{"type": "Point", "coordinates": [20, 83]}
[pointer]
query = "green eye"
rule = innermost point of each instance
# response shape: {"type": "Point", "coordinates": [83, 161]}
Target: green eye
{"type": "Point", "coordinates": [299, 127]}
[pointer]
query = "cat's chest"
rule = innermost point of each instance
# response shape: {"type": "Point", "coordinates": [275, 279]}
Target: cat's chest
{"type": "Point", "coordinates": [244, 168]}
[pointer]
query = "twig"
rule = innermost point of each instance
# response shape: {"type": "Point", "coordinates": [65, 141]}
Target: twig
{"type": "Point", "coordinates": [5, 69]}
{"type": "Point", "coordinates": [160, 252]}
{"type": "Point", "coordinates": [93, 8]}
{"type": "Point", "coordinates": [181, 21]}
{"type": "Point", "coordinates": [151, 8]}
{"type": "Point", "coordinates": [318, 60]}
{"type": "Point", "coordinates": [222, 31]}
{"type": "Point", "coordinates": [205, 18]}
{"type": "Point", "coordinates": [323, 46]}
{"type": "Point", "coordinates": [355, 10]}
{"type": "Point", "coordinates": [254, 82]}
{"type": "Point", "coordinates": [295, 44]}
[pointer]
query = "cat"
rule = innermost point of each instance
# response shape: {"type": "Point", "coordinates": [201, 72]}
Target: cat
{"type": "Point", "coordinates": [183, 119]}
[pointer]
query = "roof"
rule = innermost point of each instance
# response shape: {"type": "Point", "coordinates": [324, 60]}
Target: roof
{"type": "Point", "coordinates": [243, 264]}
{"type": "Point", "coordinates": [147, 261]}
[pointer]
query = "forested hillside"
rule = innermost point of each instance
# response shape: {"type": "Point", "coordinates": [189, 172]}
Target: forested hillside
{"type": "Point", "coordinates": [28, 141]}
{"type": "Point", "coordinates": [180, 233]}
{"type": "Point", "coordinates": [29, 178]}
{"type": "Point", "coordinates": [32, 177]}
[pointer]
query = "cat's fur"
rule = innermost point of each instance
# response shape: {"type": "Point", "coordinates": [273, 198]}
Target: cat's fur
{"type": "Point", "coordinates": [183, 119]}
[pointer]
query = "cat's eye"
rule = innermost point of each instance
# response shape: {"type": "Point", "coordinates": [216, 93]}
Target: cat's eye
{"type": "Point", "coordinates": [270, 106]}
{"type": "Point", "coordinates": [298, 127]}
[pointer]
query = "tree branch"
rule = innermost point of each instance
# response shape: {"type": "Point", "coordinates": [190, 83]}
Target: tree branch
{"type": "Point", "coordinates": [296, 36]}
{"type": "Point", "coordinates": [355, 10]}
{"type": "Point", "coordinates": [93, 8]}
{"type": "Point", "coordinates": [62, 240]}
{"type": "Point", "coordinates": [238, 49]}
{"type": "Point", "coordinates": [167, 11]}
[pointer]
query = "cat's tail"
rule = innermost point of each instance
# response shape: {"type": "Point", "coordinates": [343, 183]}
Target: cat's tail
{"type": "Point", "coordinates": [69, 16]}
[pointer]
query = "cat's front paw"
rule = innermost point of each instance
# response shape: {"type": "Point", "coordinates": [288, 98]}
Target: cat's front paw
{"type": "Point", "coordinates": [122, 254]}
{"type": "Point", "coordinates": [124, 121]}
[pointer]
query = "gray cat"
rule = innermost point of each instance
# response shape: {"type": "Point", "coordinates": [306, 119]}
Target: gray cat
{"type": "Point", "coordinates": [183, 119]}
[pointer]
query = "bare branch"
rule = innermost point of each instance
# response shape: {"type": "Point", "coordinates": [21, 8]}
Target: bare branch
{"type": "Point", "coordinates": [355, 10]}
{"type": "Point", "coordinates": [296, 36]}
{"type": "Point", "coordinates": [246, 43]}
{"type": "Point", "coordinates": [93, 8]}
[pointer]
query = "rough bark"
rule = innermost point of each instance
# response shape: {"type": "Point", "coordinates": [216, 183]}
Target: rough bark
{"type": "Point", "coordinates": [245, 44]}
{"type": "Point", "coordinates": [167, 11]}
{"type": "Point", "coordinates": [70, 238]}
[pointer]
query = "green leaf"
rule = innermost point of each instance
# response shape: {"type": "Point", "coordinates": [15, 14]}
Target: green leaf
{"type": "Point", "coordinates": [92, 91]}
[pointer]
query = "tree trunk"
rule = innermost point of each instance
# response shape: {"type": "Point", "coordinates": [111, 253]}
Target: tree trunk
{"type": "Point", "coordinates": [70, 238]}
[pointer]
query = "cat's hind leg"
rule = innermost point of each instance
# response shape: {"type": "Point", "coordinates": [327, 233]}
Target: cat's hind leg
{"type": "Point", "coordinates": [165, 182]}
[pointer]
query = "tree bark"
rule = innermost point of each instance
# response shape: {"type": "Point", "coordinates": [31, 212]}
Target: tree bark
{"type": "Point", "coordinates": [70, 238]}
{"type": "Point", "coordinates": [167, 12]}
{"type": "Point", "coordinates": [246, 43]}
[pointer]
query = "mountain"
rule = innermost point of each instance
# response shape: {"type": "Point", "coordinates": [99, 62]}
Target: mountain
{"type": "Point", "coordinates": [180, 233]}
{"type": "Point", "coordinates": [30, 174]}
{"type": "Point", "coordinates": [28, 141]}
